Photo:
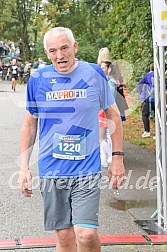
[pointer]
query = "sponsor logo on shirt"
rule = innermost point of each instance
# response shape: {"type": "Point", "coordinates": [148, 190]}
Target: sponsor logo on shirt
{"type": "Point", "coordinates": [53, 81]}
{"type": "Point", "coordinates": [66, 94]}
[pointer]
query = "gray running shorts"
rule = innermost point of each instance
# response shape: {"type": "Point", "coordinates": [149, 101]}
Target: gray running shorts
{"type": "Point", "coordinates": [71, 201]}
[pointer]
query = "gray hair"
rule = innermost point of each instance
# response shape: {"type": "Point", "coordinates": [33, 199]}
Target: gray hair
{"type": "Point", "coordinates": [56, 32]}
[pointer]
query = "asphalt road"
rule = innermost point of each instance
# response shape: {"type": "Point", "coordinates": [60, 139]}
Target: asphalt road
{"type": "Point", "coordinates": [23, 218]}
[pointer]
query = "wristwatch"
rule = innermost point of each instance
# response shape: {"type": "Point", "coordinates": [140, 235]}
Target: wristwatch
{"type": "Point", "coordinates": [118, 153]}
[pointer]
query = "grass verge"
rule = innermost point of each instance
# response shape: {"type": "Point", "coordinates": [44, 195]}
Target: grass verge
{"type": "Point", "coordinates": [133, 129]}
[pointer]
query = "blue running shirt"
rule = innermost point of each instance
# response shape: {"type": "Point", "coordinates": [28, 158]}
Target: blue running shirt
{"type": "Point", "coordinates": [67, 106]}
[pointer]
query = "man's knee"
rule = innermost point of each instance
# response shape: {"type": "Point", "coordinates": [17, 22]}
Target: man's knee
{"type": "Point", "coordinates": [65, 236]}
{"type": "Point", "coordinates": [86, 236]}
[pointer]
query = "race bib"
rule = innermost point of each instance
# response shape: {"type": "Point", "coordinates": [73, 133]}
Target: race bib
{"type": "Point", "coordinates": [72, 147]}
{"type": "Point", "coordinates": [14, 71]}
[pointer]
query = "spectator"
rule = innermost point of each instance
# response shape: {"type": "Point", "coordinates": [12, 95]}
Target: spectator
{"type": "Point", "coordinates": [119, 87]}
{"type": "Point", "coordinates": [27, 71]}
{"type": "Point", "coordinates": [41, 63]}
{"type": "Point", "coordinates": [1, 71]}
{"type": "Point", "coordinates": [36, 64]}
{"type": "Point", "coordinates": [21, 73]}
{"type": "Point", "coordinates": [4, 71]}
{"type": "Point", "coordinates": [103, 55]}
{"type": "Point", "coordinates": [146, 91]}
{"type": "Point", "coordinates": [114, 75]}
{"type": "Point", "coordinates": [105, 142]}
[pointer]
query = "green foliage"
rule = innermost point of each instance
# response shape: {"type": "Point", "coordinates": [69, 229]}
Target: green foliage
{"type": "Point", "coordinates": [122, 26]}
{"type": "Point", "coordinates": [7, 21]}
{"type": "Point", "coordinates": [130, 33]}
{"type": "Point", "coordinates": [139, 142]}
{"type": "Point", "coordinates": [87, 51]}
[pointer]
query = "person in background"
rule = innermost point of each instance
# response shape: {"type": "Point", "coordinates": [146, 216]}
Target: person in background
{"type": "Point", "coordinates": [35, 64]}
{"type": "Point", "coordinates": [27, 72]}
{"type": "Point", "coordinates": [114, 75]}
{"type": "Point", "coordinates": [146, 91]}
{"type": "Point", "coordinates": [27, 67]}
{"type": "Point", "coordinates": [105, 140]}
{"type": "Point", "coordinates": [21, 72]}
{"type": "Point", "coordinates": [119, 88]}
{"type": "Point", "coordinates": [1, 71]}
{"type": "Point", "coordinates": [4, 71]}
{"type": "Point", "coordinates": [41, 63]}
{"type": "Point", "coordinates": [114, 78]}
{"type": "Point", "coordinates": [13, 70]}
{"type": "Point", "coordinates": [65, 98]}
{"type": "Point", "coordinates": [107, 67]}
{"type": "Point", "coordinates": [103, 55]}
{"type": "Point", "coordinates": [105, 143]}
{"type": "Point", "coordinates": [11, 53]}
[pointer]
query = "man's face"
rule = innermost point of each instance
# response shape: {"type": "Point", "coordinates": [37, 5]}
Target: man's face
{"type": "Point", "coordinates": [13, 61]}
{"type": "Point", "coordinates": [61, 52]}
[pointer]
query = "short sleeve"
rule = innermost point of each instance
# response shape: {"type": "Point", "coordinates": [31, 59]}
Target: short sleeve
{"type": "Point", "coordinates": [31, 105]}
{"type": "Point", "coordinates": [106, 94]}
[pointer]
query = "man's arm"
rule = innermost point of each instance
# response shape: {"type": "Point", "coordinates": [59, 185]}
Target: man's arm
{"type": "Point", "coordinates": [116, 170]}
{"type": "Point", "coordinates": [28, 135]}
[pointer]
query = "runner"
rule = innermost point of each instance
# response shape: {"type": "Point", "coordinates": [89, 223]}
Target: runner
{"type": "Point", "coordinates": [65, 97]}
{"type": "Point", "coordinates": [13, 70]}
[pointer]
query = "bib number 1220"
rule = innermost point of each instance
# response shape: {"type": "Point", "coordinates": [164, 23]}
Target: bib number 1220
{"type": "Point", "coordinates": [71, 147]}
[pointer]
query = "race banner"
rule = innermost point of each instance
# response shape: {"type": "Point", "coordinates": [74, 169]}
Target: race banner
{"type": "Point", "coordinates": [159, 21]}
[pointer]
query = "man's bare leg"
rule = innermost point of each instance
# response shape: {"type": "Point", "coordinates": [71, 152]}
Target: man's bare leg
{"type": "Point", "coordinates": [13, 84]}
{"type": "Point", "coordinates": [66, 240]}
{"type": "Point", "coordinates": [87, 239]}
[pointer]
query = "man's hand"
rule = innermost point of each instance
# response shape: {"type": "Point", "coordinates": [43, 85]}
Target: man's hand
{"type": "Point", "coordinates": [116, 172]}
{"type": "Point", "coordinates": [24, 183]}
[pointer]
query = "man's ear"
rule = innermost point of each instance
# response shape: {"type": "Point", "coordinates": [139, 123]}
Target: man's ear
{"type": "Point", "coordinates": [45, 51]}
{"type": "Point", "coordinates": [75, 47]}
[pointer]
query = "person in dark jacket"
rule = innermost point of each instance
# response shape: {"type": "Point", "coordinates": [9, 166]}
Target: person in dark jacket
{"type": "Point", "coordinates": [146, 91]}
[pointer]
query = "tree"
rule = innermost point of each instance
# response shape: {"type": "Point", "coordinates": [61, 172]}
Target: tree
{"type": "Point", "coordinates": [22, 14]}
{"type": "Point", "coordinates": [129, 31]}
{"type": "Point", "coordinates": [122, 26]}
{"type": "Point", "coordinates": [7, 22]}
